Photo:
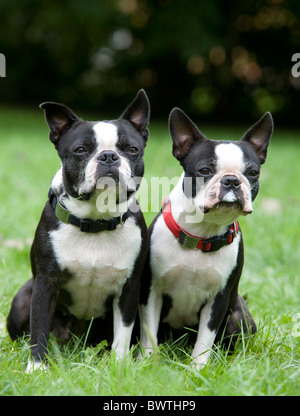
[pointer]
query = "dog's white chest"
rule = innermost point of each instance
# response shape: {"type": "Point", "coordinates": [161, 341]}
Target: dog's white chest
{"type": "Point", "coordinates": [99, 264]}
{"type": "Point", "coordinates": [189, 277]}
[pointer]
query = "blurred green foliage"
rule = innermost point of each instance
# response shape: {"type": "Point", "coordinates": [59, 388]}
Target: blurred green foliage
{"type": "Point", "coordinates": [217, 60]}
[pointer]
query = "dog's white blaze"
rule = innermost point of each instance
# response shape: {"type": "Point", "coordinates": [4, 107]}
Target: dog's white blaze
{"type": "Point", "coordinates": [229, 158]}
{"type": "Point", "coordinates": [106, 135]}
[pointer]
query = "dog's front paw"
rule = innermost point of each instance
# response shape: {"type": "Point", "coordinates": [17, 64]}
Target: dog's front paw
{"type": "Point", "coordinates": [146, 352]}
{"type": "Point", "coordinates": [35, 365]}
{"type": "Point", "coordinates": [198, 365]}
{"type": "Point", "coordinates": [200, 361]}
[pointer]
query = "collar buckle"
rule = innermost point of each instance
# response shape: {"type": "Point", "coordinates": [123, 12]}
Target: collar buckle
{"type": "Point", "coordinates": [187, 241]}
{"type": "Point", "coordinates": [86, 226]}
{"type": "Point", "coordinates": [219, 241]}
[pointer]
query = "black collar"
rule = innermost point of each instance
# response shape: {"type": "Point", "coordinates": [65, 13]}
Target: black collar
{"type": "Point", "coordinates": [85, 225]}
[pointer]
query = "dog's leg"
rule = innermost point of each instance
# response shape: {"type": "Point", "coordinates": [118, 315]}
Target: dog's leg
{"type": "Point", "coordinates": [41, 314]}
{"type": "Point", "coordinates": [205, 338]}
{"type": "Point", "coordinates": [240, 320]}
{"type": "Point", "coordinates": [18, 317]}
{"type": "Point", "coordinates": [211, 317]}
{"type": "Point", "coordinates": [149, 318]}
{"type": "Point", "coordinates": [122, 332]}
{"type": "Point", "coordinates": [124, 312]}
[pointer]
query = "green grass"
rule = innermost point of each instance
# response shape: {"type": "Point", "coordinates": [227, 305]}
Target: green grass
{"type": "Point", "coordinates": [267, 364]}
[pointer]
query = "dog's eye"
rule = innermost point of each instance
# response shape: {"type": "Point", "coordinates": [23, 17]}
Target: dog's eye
{"type": "Point", "coordinates": [79, 150]}
{"type": "Point", "coordinates": [133, 150]}
{"type": "Point", "coordinates": [205, 171]}
{"type": "Point", "coordinates": [253, 173]}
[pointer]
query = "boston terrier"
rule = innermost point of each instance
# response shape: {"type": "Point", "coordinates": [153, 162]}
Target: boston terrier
{"type": "Point", "coordinates": [196, 248]}
{"type": "Point", "coordinates": [91, 242]}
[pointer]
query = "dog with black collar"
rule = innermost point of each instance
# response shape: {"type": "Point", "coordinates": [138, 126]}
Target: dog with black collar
{"type": "Point", "coordinates": [91, 242]}
{"type": "Point", "coordinates": [195, 262]}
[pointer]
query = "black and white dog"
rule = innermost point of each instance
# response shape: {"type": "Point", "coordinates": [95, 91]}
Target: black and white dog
{"type": "Point", "coordinates": [91, 242]}
{"type": "Point", "coordinates": [196, 248]}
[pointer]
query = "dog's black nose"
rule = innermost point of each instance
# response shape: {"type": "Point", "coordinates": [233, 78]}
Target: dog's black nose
{"type": "Point", "coordinates": [230, 182]}
{"type": "Point", "coordinates": [109, 157]}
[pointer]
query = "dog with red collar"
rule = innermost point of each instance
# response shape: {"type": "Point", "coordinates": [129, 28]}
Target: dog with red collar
{"type": "Point", "coordinates": [196, 250]}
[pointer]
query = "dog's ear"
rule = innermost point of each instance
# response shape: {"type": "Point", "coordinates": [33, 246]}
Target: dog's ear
{"type": "Point", "coordinates": [259, 136]}
{"type": "Point", "coordinates": [138, 113]}
{"type": "Point", "coordinates": [59, 118]}
{"type": "Point", "coordinates": [184, 133]}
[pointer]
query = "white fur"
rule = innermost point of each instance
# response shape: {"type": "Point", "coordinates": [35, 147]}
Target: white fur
{"type": "Point", "coordinates": [106, 135]}
{"type": "Point", "coordinates": [100, 264]}
{"type": "Point", "coordinates": [35, 365]}
{"type": "Point", "coordinates": [229, 158]}
{"type": "Point", "coordinates": [229, 197]}
{"type": "Point", "coordinates": [57, 181]}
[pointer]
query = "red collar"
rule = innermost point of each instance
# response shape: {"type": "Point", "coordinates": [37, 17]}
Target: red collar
{"type": "Point", "coordinates": [207, 245]}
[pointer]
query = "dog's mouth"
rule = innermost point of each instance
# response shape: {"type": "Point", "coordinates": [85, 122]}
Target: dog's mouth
{"type": "Point", "coordinates": [226, 207]}
{"type": "Point", "coordinates": [98, 186]}
{"type": "Point", "coordinates": [229, 201]}
{"type": "Point", "coordinates": [111, 186]}
{"type": "Point", "coordinates": [235, 205]}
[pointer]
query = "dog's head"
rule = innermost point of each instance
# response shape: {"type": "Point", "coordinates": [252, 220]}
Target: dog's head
{"type": "Point", "coordinates": [103, 153]}
{"type": "Point", "coordinates": [224, 173]}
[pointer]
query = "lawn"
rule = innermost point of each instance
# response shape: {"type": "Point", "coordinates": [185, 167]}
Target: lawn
{"type": "Point", "coordinates": [267, 364]}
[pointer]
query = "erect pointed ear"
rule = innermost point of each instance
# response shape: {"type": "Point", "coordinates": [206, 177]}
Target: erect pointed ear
{"type": "Point", "coordinates": [184, 133]}
{"type": "Point", "coordinates": [138, 113]}
{"type": "Point", "coordinates": [59, 118]}
{"type": "Point", "coordinates": [259, 136]}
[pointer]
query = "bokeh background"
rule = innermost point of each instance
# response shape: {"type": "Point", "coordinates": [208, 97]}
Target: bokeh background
{"type": "Point", "coordinates": [220, 61]}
